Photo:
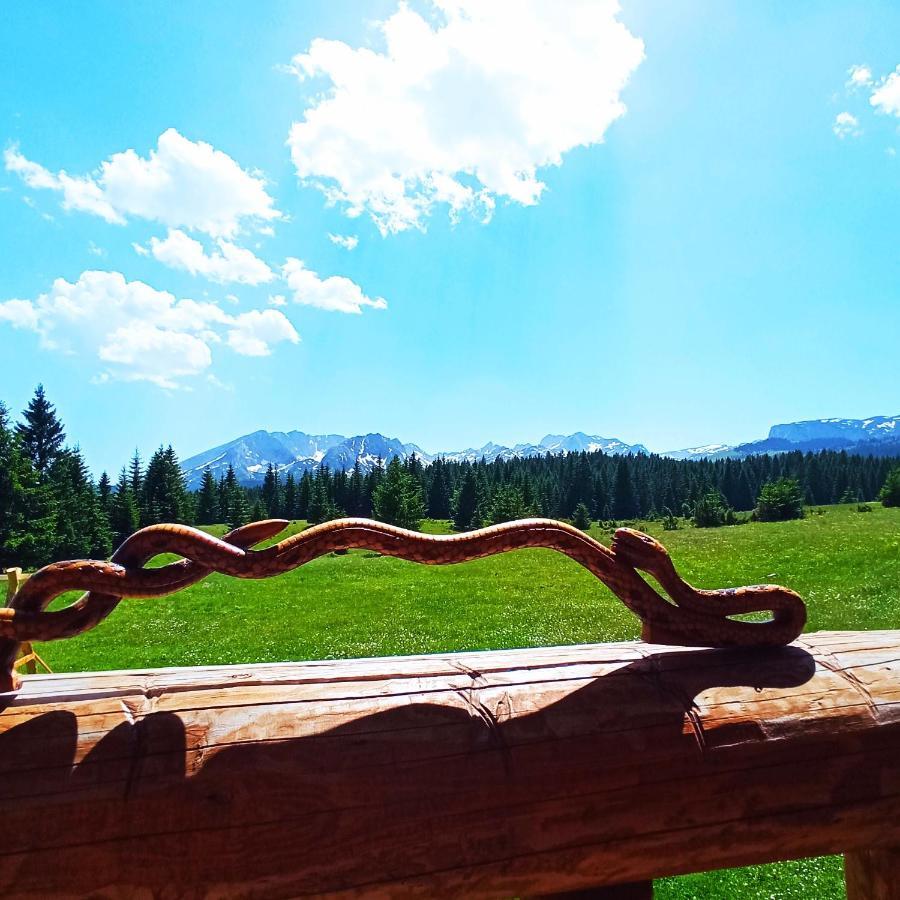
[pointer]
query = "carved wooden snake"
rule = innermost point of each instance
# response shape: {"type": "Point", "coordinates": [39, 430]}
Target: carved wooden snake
{"type": "Point", "coordinates": [695, 618]}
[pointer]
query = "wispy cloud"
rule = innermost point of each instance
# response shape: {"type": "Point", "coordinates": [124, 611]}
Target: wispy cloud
{"type": "Point", "coordinates": [348, 241]}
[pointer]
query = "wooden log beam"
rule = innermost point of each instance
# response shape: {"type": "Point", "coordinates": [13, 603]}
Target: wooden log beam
{"type": "Point", "coordinates": [522, 772]}
{"type": "Point", "coordinates": [873, 874]}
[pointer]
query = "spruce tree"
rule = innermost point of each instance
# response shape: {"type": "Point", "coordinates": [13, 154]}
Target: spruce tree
{"type": "Point", "coordinates": [82, 527]}
{"type": "Point", "coordinates": [232, 504]}
{"type": "Point", "coordinates": [27, 518]}
{"type": "Point", "coordinates": [465, 504]}
{"type": "Point", "coordinates": [124, 515]}
{"type": "Point", "coordinates": [624, 501]}
{"type": "Point", "coordinates": [582, 517]}
{"type": "Point", "coordinates": [507, 505]}
{"type": "Point", "coordinates": [208, 500]}
{"type": "Point", "coordinates": [354, 493]}
{"type": "Point", "coordinates": [321, 509]}
{"type": "Point", "coordinates": [136, 475]}
{"type": "Point", "coordinates": [711, 510]}
{"type": "Point", "coordinates": [889, 495]}
{"type": "Point", "coordinates": [289, 500]}
{"type": "Point", "coordinates": [239, 509]}
{"type": "Point", "coordinates": [258, 511]}
{"type": "Point", "coordinates": [104, 492]}
{"type": "Point", "coordinates": [581, 486]}
{"type": "Point", "coordinates": [271, 494]}
{"type": "Point", "coordinates": [304, 495]}
{"type": "Point", "coordinates": [398, 498]}
{"type": "Point", "coordinates": [163, 494]}
{"type": "Point", "coordinates": [41, 434]}
{"type": "Point", "coordinates": [780, 500]}
{"type": "Point", "coordinates": [439, 492]}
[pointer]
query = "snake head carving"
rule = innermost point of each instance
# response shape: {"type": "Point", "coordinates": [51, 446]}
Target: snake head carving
{"type": "Point", "coordinates": [701, 614]}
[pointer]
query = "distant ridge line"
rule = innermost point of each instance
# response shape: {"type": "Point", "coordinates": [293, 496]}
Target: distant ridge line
{"type": "Point", "coordinates": [297, 452]}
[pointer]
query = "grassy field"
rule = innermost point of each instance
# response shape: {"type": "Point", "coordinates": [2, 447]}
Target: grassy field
{"type": "Point", "coordinates": [845, 563]}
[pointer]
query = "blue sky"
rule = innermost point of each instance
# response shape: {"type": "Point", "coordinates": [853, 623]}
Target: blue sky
{"type": "Point", "coordinates": [671, 223]}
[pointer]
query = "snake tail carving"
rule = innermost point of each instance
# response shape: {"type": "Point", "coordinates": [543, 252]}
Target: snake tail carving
{"type": "Point", "coordinates": [688, 616]}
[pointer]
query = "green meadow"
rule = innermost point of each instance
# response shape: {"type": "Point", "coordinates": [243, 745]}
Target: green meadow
{"type": "Point", "coordinates": [844, 562]}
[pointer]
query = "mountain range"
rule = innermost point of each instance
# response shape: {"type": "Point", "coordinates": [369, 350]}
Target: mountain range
{"type": "Point", "coordinates": [875, 436]}
{"type": "Point", "coordinates": [298, 452]}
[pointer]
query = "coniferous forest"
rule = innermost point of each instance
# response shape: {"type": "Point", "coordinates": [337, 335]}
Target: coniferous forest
{"type": "Point", "coordinates": [52, 508]}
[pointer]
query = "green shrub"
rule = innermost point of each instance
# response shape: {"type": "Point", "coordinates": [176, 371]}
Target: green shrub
{"type": "Point", "coordinates": [582, 517]}
{"type": "Point", "coordinates": [669, 522]}
{"type": "Point", "coordinates": [780, 500]}
{"type": "Point", "coordinates": [711, 511]}
{"type": "Point", "coordinates": [890, 491]}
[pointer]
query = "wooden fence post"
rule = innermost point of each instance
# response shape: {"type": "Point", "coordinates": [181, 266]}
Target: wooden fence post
{"type": "Point", "coordinates": [28, 658]}
{"type": "Point", "coordinates": [13, 578]}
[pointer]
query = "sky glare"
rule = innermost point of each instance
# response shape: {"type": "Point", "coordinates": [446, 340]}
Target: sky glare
{"type": "Point", "coordinates": [449, 222]}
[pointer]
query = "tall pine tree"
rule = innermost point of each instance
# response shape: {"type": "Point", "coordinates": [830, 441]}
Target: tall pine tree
{"type": "Point", "coordinates": [163, 494]}
{"type": "Point", "coordinates": [82, 527]}
{"type": "Point", "coordinates": [624, 500]}
{"type": "Point", "coordinates": [398, 498]}
{"type": "Point", "coordinates": [439, 492]}
{"type": "Point", "coordinates": [41, 433]}
{"type": "Point", "coordinates": [208, 500]}
{"type": "Point", "coordinates": [27, 517]}
{"type": "Point", "coordinates": [271, 494]}
{"type": "Point", "coordinates": [465, 507]}
{"type": "Point", "coordinates": [124, 515]}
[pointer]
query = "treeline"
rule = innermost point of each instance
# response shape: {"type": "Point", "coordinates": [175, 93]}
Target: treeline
{"type": "Point", "coordinates": [607, 487]}
{"type": "Point", "coordinates": [51, 508]}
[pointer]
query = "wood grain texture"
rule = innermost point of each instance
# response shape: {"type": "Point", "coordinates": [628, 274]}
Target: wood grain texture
{"type": "Point", "coordinates": [873, 874]}
{"type": "Point", "coordinates": [494, 774]}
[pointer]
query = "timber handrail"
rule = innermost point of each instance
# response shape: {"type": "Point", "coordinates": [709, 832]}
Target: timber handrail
{"type": "Point", "coordinates": [695, 618]}
{"type": "Point", "coordinates": [484, 775]}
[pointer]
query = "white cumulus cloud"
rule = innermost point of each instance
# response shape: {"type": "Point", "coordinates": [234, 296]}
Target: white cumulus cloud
{"type": "Point", "coordinates": [335, 293]}
{"type": "Point", "coordinates": [256, 331]}
{"type": "Point", "coordinates": [860, 76]}
{"type": "Point", "coordinates": [229, 264]}
{"type": "Point", "coordinates": [182, 184]}
{"type": "Point", "coordinates": [463, 109]}
{"type": "Point", "coordinates": [846, 125]}
{"type": "Point", "coordinates": [347, 241]}
{"type": "Point", "coordinates": [139, 333]}
{"type": "Point", "coordinates": [886, 97]}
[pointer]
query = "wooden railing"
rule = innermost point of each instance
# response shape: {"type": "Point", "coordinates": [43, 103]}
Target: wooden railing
{"type": "Point", "coordinates": [498, 774]}
{"type": "Point", "coordinates": [494, 774]}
